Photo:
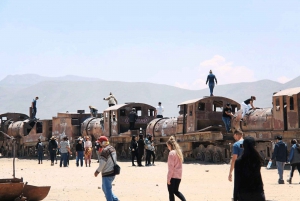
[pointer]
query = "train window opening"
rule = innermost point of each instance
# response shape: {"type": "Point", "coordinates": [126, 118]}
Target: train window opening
{"type": "Point", "coordinates": [233, 108]}
{"type": "Point", "coordinates": [150, 112]}
{"type": "Point", "coordinates": [122, 112]}
{"type": "Point", "coordinates": [75, 121]}
{"type": "Point", "coordinates": [39, 127]}
{"type": "Point", "coordinates": [138, 111]}
{"type": "Point", "coordinates": [201, 106]}
{"type": "Point", "coordinates": [217, 106]}
{"type": "Point", "coordinates": [191, 110]}
{"type": "Point", "coordinates": [4, 118]}
{"type": "Point", "coordinates": [291, 103]}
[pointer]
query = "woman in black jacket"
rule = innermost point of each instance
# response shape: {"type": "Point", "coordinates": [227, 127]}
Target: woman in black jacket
{"type": "Point", "coordinates": [248, 185]}
{"type": "Point", "coordinates": [133, 148]}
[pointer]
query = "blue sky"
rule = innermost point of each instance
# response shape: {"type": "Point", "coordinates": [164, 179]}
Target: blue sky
{"type": "Point", "coordinates": [166, 42]}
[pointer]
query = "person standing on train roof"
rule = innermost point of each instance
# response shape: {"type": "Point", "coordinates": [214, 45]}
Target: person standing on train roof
{"type": "Point", "coordinates": [111, 100]}
{"type": "Point", "coordinates": [246, 105]}
{"type": "Point", "coordinates": [93, 111]}
{"type": "Point", "coordinates": [237, 151]}
{"type": "Point", "coordinates": [226, 117]}
{"type": "Point", "coordinates": [159, 111]}
{"type": "Point", "coordinates": [211, 78]}
{"type": "Point", "coordinates": [33, 106]}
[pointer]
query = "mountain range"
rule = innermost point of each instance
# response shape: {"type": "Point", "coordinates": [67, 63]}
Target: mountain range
{"type": "Point", "coordinates": [72, 93]}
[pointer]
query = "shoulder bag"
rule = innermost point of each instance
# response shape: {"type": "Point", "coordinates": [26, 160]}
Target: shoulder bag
{"type": "Point", "coordinates": [117, 168]}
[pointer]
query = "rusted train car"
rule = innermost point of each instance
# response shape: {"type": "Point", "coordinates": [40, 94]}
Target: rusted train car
{"type": "Point", "coordinates": [26, 131]}
{"type": "Point", "coordinates": [198, 129]}
{"type": "Point", "coordinates": [114, 124]}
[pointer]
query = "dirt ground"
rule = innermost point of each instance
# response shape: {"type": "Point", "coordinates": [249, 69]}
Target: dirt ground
{"type": "Point", "coordinates": [199, 182]}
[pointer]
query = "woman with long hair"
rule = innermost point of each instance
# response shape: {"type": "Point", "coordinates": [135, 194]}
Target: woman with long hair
{"type": "Point", "coordinates": [248, 185]}
{"type": "Point", "coordinates": [175, 160]}
{"type": "Point", "coordinates": [294, 159]}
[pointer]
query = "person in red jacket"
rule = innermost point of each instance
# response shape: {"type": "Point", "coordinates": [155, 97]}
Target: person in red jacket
{"type": "Point", "coordinates": [175, 160]}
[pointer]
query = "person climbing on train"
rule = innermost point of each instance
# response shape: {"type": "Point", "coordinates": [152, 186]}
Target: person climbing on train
{"type": "Point", "coordinates": [40, 151]}
{"type": "Point", "coordinates": [88, 151]}
{"type": "Point", "coordinates": [175, 160]}
{"type": "Point", "coordinates": [159, 110]}
{"type": "Point", "coordinates": [33, 106]}
{"type": "Point", "coordinates": [280, 154]}
{"type": "Point", "coordinates": [111, 100]}
{"type": "Point", "coordinates": [52, 147]}
{"type": "Point", "coordinates": [132, 119]}
{"type": "Point", "coordinates": [141, 147]}
{"type": "Point", "coordinates": [226, 117]}
{"type": "Point", "coordinates": [246, 105]}
{"type": "Point", "coordinates": [134, 149]}
{"type": "Point", "coordinates": [211, 78]}
{"type": "Point", "coordinates": [294, 159]}
{"type": "Point", "coordinates": [79, 152]}
{"type": "Point", "coordinates": [93, 111]}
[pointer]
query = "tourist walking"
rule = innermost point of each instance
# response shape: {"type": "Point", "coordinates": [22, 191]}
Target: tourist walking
{"type": "Point", "coordinates": [294, 159]}
{"type": "Point", "coordinates": [79, 152]}
{"type": "Point", "coordinates": [236, 152]}
{"type": "Point", "coordinates": [52, 147]}
{"type": "Point", "coordinates": [211, 78]}
{"type": "Point", "coordinates": [108, 158]}
{"type": "Point", "coordinates": [40, 151]}
{"type": "Point", "coordinates": [280, 154]}
{"type": "Point", "coordinates": [248, 185]}
{"type": "Point", "coordinates": [175, 160]}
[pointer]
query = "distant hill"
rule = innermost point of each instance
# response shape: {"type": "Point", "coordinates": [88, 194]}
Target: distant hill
{"type": "Point", "coordinates": [58, 95]}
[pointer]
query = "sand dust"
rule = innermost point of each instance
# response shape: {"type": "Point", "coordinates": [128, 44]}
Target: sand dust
{"type": "Point", "coordinates": [199, 182]}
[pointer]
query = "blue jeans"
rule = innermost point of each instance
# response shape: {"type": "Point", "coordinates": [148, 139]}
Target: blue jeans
{"type": "Point", "coordinates": [211, 88]}
{"type": "Point", "coordinates": [64, 158]}
{"type": "Point", "coordinates": [280, 168]}
{"type": "Point", "coordinates": [79, 157]}
{"type": "Point", "coordinates": [107, 188]}
{"type": "Point", "coordinates": [226, 121]}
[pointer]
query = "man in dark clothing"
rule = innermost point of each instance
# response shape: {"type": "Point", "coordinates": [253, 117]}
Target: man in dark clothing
{"type": "Point", "coordinates": [133, 148]}
{"type": "Point", "coordinates": [226, 117]}
{"type": "Point", "coordinates": [211, 78]}
{"type": "Point", "coordinates": [40, 150]}
{"type": "Point", "coordinates": [132, 118]}
{"type": "Point", "coordinates": [141, 145]}
{"type": "Point", "coordinates": [33, 106]}
{"type": "Point", "coordinates": [52, 147]}
{"type": "Point", "coordinates": [280, 154]}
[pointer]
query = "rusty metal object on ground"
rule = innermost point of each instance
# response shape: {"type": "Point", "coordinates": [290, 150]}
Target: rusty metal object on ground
{"type": "Point", "coordinates": [35, 193]}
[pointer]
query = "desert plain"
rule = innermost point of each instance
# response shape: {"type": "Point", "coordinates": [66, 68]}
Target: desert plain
{"type": "Point", "coordinates": [200, 181]}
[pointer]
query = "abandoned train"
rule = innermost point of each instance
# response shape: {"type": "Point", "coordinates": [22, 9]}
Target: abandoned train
{"type": "Point", "coordinates": [198, 128]}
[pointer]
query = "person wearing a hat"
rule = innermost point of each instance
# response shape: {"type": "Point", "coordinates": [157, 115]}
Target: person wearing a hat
{"type": "Point", "coordinates": [280, 154]}
{"type": "Point", "coordinates": [107, 160]}
{"type": "Point", "coordinates": [226, 117]}
{"type": "Point", "coordinates": [211, 78]}
{"type": "Point", "coordinates": [52, 147]}
{"type": "Point", "coordinates": [79, 152]}
{"type": "Point", "coordinates": [132, 119]}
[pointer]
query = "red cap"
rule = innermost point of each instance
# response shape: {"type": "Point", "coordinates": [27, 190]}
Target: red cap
{"type": "Point", "coordinates": [102, 139]}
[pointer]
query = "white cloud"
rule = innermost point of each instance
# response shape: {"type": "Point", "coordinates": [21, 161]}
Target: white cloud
{"type": "Point", "coordinates": [226, 72]}
{"type": "Point", "coordinates": [283, 79]}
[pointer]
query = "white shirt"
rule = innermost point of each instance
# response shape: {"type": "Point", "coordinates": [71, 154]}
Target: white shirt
{"type": "Point", "coordinates": [87, 144]}
{"type": "Point", "coordinates": [159, 110]}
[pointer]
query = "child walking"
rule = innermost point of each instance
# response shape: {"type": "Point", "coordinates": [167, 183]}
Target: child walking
{"type": "Point", "coordinates": [175, 160]}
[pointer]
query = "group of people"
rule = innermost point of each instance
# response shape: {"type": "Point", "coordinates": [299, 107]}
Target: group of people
{"type": "Point", "coordinates": [137, 150]}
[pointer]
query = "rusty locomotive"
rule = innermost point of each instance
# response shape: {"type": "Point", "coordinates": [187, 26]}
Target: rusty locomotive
{"type": "Point", "coordinates": [198, 128]}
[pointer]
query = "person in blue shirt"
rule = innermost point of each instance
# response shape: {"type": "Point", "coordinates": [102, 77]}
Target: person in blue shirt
{"type": "Point", "coordinates": [237, 150]}
{"type": "Point", "coordinates": [294, 159]}
{"type": "Point", "coordinates": [33, 106]}
{"type": "Point", "coordinates": [211, 78]}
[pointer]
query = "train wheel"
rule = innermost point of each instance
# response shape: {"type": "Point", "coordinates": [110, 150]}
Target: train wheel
{"type": "Point", "coordinates": [217, 157]}
{"type": "Point", "coordinates": [208, 156]}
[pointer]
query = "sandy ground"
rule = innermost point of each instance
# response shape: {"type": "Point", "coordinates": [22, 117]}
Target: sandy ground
{"type": "Point", "coordinates": [199, 182]}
